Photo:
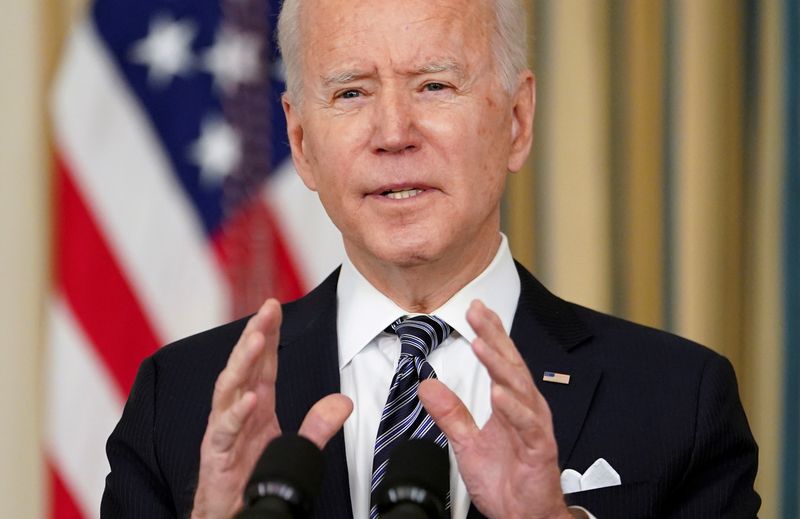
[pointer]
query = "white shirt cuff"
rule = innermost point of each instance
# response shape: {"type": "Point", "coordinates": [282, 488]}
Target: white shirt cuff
{"type": "Point", "coordinates": [582, 509]}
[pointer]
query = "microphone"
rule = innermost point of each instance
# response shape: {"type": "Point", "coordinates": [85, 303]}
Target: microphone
{"type": "Point", "coordinates": [287, 478]}
{"type": "Point", "coordinates": [417, 482]}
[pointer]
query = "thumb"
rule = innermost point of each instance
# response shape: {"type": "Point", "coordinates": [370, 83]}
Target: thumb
{"type": "Point", "coordinates": [448, 411]}
{"type": "Point", "coordinates": [325, 418]}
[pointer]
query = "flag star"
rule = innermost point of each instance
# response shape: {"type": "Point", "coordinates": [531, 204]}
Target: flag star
{"type": "Point", "coordinates": [166, 50]}
{"type": "Point", "coordinates": [233, 59]}
{"type": "Point", "coordinates": [217, 152]}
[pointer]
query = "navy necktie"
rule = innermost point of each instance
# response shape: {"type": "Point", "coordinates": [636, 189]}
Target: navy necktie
{"type": "Point", "coordinates": [403, 416]}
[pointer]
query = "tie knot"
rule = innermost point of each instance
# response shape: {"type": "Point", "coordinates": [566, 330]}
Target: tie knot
{"type": "Point", "coordinates": [420, 334]}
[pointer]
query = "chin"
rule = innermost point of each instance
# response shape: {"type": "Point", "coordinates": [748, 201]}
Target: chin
{"type": "Point", "coordinates": [407, 253]}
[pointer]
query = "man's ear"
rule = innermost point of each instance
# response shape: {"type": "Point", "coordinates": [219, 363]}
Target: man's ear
{"type": "Point", "coordinates": [294, 129]}
{"type": "Point", "coordinates": [522, 112]}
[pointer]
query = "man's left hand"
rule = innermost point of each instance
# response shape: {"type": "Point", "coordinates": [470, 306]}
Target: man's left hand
{"type": "Point", "coordinates": [510, 466]}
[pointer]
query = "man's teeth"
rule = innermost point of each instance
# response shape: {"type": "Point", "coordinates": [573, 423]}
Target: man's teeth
{"type": "Point", "coordinates": [405, 193]}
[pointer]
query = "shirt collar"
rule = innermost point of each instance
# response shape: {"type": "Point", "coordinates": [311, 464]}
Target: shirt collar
{"type": "Point", "coordinates": [364, 312]}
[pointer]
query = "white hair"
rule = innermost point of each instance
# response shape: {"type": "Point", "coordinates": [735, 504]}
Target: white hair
{"type": "Point", "coordinates": [509, 43]}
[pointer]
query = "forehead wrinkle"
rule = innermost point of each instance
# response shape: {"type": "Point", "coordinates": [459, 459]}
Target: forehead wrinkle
{"type": "Point", "coordinates": [330, 43]}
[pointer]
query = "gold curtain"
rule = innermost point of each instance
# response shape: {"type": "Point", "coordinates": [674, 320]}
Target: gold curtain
{"type": "Point", "coordinates": [655, 185]}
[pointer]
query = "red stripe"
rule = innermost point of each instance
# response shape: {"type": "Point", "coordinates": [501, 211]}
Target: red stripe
{"type": "Point", "coordinates": [289, 285]}
{"type": "Point", "coordinates": [96, 289]}
{"type": "Point", "coordinates": [255, 259]}
{"type": "Point", "coordinates": [62, 506]}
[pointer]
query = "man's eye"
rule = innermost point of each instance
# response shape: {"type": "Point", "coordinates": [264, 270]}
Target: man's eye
{"type": "Point", "coordinates": [350, 94]}
{"type": "Point", "coordinates": [434, 87]}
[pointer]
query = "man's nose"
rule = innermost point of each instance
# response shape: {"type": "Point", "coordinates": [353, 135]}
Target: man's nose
{"type": "Point", "coordinates": [394, 126]}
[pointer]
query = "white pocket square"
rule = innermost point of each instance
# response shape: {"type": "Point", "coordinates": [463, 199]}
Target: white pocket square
{"type": "Point", "coordinates": [599, 475]}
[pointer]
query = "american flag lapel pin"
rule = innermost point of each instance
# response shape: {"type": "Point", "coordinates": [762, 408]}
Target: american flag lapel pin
{"type": "Point", "coordinates": [557, 378]}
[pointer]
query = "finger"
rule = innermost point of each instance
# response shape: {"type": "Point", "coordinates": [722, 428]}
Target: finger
{"type": "Point", "coordinates": [325, 418]}
{"type": "Point", "coordinates": [514, 377]}
{"type": "Point", "coordinates": [495, 349]}
{"type": "Point", "coordinates": [226, 425]}
{"type": "Point", "coordinates": [253, 356]}
{"type": "Point", "coordinates": [271, 328]}
{"type": "Point", "coordinates": [266, 324]}
{"type": "Point", "coordinates": [489, 327]}
{"type": "Point", "coordinates": [239, 369]}
{"type": "Point", "coordinates": [448, 411]}
{"type": "Point", "coordinates": [532, 426]}
{"type": "Point", "coordinates": [267, 308]}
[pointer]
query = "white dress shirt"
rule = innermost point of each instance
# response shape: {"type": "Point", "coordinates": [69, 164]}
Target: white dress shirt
{"type": "Point", "coordinates": [368, 357]}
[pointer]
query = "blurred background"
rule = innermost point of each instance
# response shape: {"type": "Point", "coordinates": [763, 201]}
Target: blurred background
{"type": "Point", "coordinates": [146, 193]}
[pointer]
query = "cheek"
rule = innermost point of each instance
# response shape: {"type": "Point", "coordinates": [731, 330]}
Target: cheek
{"type": "Point", "coordinates": [326, 155]}
{"type": "Point", "coordinates": [484, 148]}
{"type": "Point", "coordinates": [487, 156]}
{"type": "Point", "coordinates": [341, 151]}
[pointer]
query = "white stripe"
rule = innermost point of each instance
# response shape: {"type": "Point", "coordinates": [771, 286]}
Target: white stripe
{"type": "Point", "coordinates": [126, 180]}
{"type": "Point", "coordinates": [398, 402]}
{"type": "Point", "coordinates": [84, 405]}
{"type": "Point", "coordinates": [315, 244]}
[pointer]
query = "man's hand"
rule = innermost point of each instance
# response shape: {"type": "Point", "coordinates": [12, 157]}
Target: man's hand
{"type": "Point", "coordinates": [243, 420]}
{"type": "Point", "coordinates": [510, 467]}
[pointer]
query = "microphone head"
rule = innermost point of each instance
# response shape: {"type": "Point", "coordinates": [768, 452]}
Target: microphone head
{"type": "Point", "coordinates": [418, 473]}
{"type": "Point", "coordinates": [290, 469]}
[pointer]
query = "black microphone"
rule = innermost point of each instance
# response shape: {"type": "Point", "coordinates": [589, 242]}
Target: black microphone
{"type": "Point", "coordinates": [287, 478]}
{"type": "Point", "coordinates": [417, 482]}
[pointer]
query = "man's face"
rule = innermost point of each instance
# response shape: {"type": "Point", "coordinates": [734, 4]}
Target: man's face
{"type": "Point", "coordinates": [404, 128]}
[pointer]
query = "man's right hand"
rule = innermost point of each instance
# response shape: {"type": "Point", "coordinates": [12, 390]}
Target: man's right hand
{"type": "Point", "coordinates": [243, 420]}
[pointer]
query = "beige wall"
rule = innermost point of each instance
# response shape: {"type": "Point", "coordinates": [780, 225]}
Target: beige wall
{"type": "Point", "coordinates": [23, 256]}
{"type": "Point", "coordinates": [30, 32]}
{"type": "Point", "coordinates": [642, 110]}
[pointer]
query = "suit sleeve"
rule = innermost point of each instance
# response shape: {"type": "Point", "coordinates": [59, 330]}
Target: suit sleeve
{"type": "Point", "coordinates": [724, 460]}
{"type": "Point", "coordinates": [135, 487]}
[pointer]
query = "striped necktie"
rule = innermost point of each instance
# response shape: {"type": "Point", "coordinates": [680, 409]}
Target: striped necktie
{"type": "Point", "coordinates": [403, 416]}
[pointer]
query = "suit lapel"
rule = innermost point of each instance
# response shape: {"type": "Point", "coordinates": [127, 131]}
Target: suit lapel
{"type": "Point", "coordinates": [308, 369]}
{"type": "Point", "coordinates": [545, 330]}
{"type": "Point", "coordinates": [568, 403]}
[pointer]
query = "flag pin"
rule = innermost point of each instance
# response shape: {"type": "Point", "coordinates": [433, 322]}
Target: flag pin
{"type": "Point", "coordinates": [558, 378]}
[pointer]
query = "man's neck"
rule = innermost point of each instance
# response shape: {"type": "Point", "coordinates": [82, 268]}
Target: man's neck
{"type": "Point", "coordinates": [425, 287]}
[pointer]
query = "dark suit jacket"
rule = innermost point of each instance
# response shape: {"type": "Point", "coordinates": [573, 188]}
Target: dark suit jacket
{"type": "Point", "coordinates": [663, 411]}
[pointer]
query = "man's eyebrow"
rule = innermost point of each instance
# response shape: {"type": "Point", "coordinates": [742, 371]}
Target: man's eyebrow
{"type": "Point", "coordinates": [445, 65]}
{"type": "Point", "coordinates": [342, 77]}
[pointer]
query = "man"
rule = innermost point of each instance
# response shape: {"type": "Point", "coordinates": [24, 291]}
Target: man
{"type": "Point", "coordinates": [406, 118]}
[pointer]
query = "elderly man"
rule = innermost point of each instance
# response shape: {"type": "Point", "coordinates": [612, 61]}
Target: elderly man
{"type": "Point", "coordinates": [406, 117]}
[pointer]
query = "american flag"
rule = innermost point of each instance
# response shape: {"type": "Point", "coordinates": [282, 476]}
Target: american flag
{"type": "Point", "coordinates": [176, 206]}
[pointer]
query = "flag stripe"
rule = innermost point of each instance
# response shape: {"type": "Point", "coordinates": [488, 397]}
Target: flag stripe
{"type": "Point", "coordinates": [85, 404]}
{"type": "Point", "coordinates": [252, 239]}
{"type": "Point", "coordinates": [289, 284]}
{"type": "Point", "coordinates": [109, 313]}
{"type": "Point", "coordinates": [107, 141]}
{"type": "Point", "coordinates": [312, 241]}
{"type": "Point", "coordinates": [61, 505]}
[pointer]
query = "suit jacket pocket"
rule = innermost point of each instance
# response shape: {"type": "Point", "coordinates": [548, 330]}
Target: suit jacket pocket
{"type": "Point", "coordinates": [628, 501]}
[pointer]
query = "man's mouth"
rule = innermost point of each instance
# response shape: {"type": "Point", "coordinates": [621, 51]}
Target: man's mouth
{"type": "Point", "coordinates": [399, 194]}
